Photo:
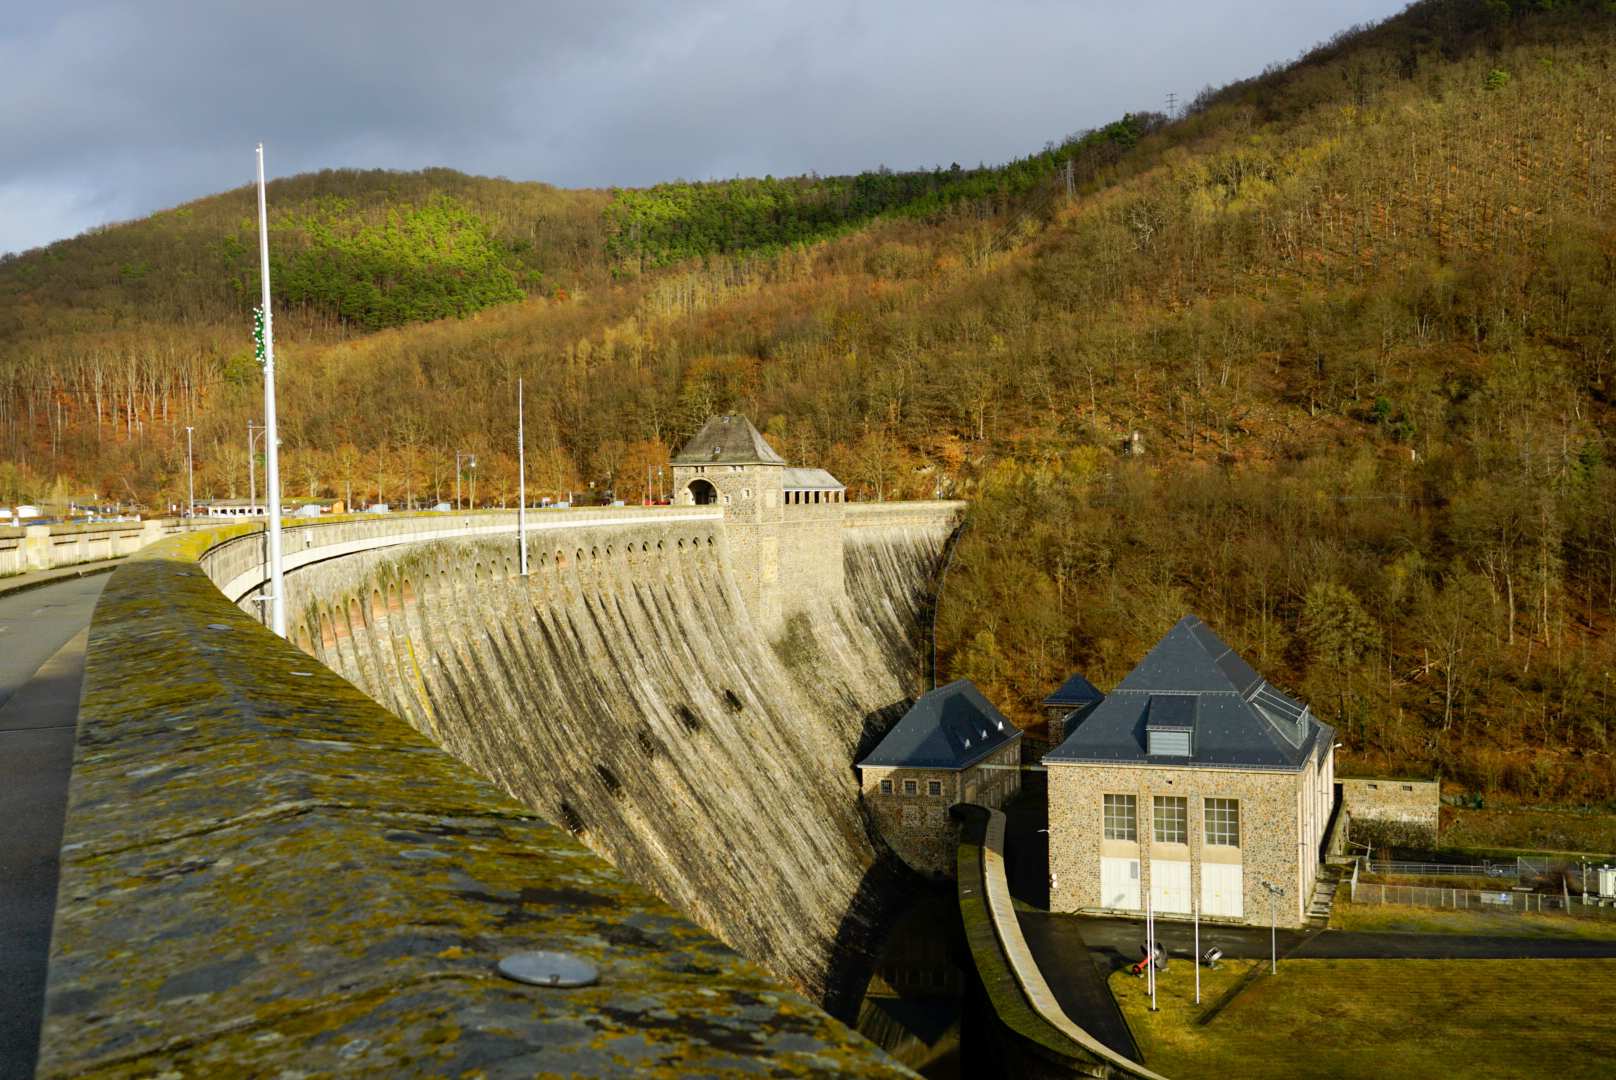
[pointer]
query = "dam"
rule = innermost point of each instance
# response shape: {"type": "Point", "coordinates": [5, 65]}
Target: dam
{"type": "Point", "coordinates": [683, 700]}
{"type": "Point", "coordinates": [621, 691]}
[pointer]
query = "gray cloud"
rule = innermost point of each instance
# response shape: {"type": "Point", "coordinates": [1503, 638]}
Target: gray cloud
{"type": "Point", "coordinates": [116, 109]}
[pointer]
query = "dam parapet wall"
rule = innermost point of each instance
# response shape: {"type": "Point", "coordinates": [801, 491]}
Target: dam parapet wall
{"type": "Point", "coordinates": [43, 547]}
{"type": "Point", "coordinates": [266, 873]}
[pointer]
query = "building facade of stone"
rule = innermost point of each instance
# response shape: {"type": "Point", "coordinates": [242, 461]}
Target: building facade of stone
{"type": "Point", "coordinates": [1190, 786]}
{"type": "Point", "coordinates": [952, 746]}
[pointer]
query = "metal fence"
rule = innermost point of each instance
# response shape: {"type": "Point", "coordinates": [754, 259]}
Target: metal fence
{"type": "Point", "coordinates": [1466, 899]}
{"type": "Point", "coordinates": [1422, 869]}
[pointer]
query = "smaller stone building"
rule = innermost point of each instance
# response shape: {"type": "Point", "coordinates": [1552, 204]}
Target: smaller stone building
{"type": "Point", "coordinates": [1194, 781]}
{"type": "Point", "coordinates": [952, 746]}
{"type": "Point", "coordinates": [1392, 811]}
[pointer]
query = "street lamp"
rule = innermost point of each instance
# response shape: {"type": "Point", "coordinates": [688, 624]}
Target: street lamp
{"type": "Point", "coordinates": [1273, 933]}
{"type": "Point", "coordinates": [458, 459]}
{"type": "Point", "coordinates": [521, 479]}
{"type": "Point", "coordinates": [190, 477]}
{"type": "Point", "coordinates": [254, 432]}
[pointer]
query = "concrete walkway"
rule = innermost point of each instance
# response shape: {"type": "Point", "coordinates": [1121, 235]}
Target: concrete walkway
{"type": "Point", "coordinates": [42, 638]}
{"type": "Point", "coordinates": [36, 579]}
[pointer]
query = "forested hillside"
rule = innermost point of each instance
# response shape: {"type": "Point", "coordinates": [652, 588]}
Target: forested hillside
{"type": "Point", "coordinates": [1327, 361]}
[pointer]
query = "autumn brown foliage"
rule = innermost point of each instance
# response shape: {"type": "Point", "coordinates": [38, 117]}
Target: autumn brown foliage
{"type": "Point", "coordinates": [1327, 361]}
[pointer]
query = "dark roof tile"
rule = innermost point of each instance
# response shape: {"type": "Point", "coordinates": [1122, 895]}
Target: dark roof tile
{"type": "Point", "coordinates": [1239, 719]}
{"type": "Point", "coordinates": [951, 727]}
{"type": "Point", "coordinates": [728, 440]}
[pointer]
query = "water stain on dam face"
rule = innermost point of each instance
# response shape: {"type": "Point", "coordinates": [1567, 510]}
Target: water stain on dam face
{"type": "Point", "coordinates": [623, 691]}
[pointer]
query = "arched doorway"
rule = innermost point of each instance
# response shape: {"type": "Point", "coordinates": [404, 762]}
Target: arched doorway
{"type": "Point", "coordinates": [702, 492]}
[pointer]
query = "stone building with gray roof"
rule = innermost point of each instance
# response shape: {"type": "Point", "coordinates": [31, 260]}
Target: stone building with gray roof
{"type": "Point", "coordinates": [785, 524]}
{"type": "Point", "coordinates": [951, 746]}
{"type": "Point", "coordinates": [1194, 779]}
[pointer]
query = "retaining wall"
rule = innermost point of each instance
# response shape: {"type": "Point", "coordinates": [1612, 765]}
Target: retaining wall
{"type": "Point", "coordinates": [1046, 1040]}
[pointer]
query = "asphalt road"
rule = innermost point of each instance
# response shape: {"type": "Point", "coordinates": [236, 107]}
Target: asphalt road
{"type": "Point", "coordinates": [42, 636]}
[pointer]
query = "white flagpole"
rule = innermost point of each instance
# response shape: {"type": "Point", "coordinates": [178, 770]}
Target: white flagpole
{"type": "Point", "coordinates": [1150, 943]}
{"type": "Point", "coordinates": [272, 453]}
{"type": "Point", "coordinates": [521, 474]}
{"type": "Point", "coordinates": [1197, 950]}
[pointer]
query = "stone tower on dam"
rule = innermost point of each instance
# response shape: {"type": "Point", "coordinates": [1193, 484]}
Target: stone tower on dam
{"type": "Point", "coordinates": [785, 525]}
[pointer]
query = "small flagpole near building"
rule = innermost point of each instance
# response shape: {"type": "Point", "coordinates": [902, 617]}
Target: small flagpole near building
{"type": "Point", "coordinates": [1197, 950]}
{"type": "Point", "coordinates": [272, 455]}
{"type": "Point", "coordinates": [1150, 946]}
{"type": "Point", "coordinates": [521, 478]}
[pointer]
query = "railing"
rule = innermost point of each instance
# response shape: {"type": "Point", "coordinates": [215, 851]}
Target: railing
{"type": "Point", "coordinates": [1476, 900]}
{"type": "Point", "coordinates": [237, 565]}
{"type": "Point", "coordinates": [1423, 869]}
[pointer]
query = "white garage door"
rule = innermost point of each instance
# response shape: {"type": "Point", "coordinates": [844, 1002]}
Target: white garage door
{"type": "Point", "coordinates": [1119, 884]}
{"type": "Point", "coordinates": [1223, 890]}
{"type": "Point", "coordinates": [1170, 886]}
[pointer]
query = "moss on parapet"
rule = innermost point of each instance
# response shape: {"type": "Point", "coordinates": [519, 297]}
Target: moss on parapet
{"type": "Point", "coordinates": [265, 873]}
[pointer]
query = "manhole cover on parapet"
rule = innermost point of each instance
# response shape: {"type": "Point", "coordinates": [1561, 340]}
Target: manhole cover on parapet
{"type": "Point", "coordinates": [548, 969]}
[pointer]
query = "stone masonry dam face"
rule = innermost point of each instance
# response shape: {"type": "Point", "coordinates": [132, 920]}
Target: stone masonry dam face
{"type": "Point", "coordinates": [624, 691]}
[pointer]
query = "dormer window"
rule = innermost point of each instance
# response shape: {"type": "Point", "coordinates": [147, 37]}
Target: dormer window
{"type": "Point", "coordinates": [1168, 743]}
{"type": "Point", "coordinates": [1170, 725]}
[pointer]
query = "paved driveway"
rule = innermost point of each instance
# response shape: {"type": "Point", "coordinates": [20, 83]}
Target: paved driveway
{"type": "Point", "coordinates": [42, 636]}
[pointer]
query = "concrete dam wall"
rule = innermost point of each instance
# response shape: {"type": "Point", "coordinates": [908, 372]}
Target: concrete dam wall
{"type": "Point", "coordinates": [624, 691]}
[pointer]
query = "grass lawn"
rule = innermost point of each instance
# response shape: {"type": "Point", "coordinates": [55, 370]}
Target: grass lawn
{"type": "Point", "coordinates": [1524, 828]}
{"type": "Point", "coordinates": [1400, 919]}
{"type": "Point", "coordinates": [1381, 1020]}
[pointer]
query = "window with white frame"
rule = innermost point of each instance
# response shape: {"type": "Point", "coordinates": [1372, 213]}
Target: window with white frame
{"type": "Point", "coordinates": [910, 787]}
{"type": "Point", "coordinates": [1172, 819]}
{"type": "Point", "coordinates": [1121, 818]}
{"type": "Point", "coordinates": [886, 787]}
{"type": "Point", "coordinates": [934, 787]}
{"type": "Point", "coordinates": [1223, 822]}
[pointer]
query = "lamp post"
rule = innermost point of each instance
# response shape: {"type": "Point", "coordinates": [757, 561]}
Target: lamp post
{"type": "Point", "coordinates": [521, 479]}
{"type": "Point", "coordinates": [272, 461]}
{"type": "Point", "coordinates": [1274, 892]}
{"type": "Point", "coordinates": [458, 459]}
{"type": "Point", "coordinates": [254, 431]}
{"type": "Point", "coordinates": [190, 477]}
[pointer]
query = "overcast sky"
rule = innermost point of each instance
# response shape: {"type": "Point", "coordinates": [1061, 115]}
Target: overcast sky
{"type": "Point", "coordinates": [117, 108]}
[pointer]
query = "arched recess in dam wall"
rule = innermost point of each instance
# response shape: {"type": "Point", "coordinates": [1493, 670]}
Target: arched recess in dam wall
{"type": "Point", "coordinates": [623, 691]}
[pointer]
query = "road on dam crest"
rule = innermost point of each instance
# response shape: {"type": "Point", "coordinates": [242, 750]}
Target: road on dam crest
{"type": "Point", "coordinates": [42, 637]}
